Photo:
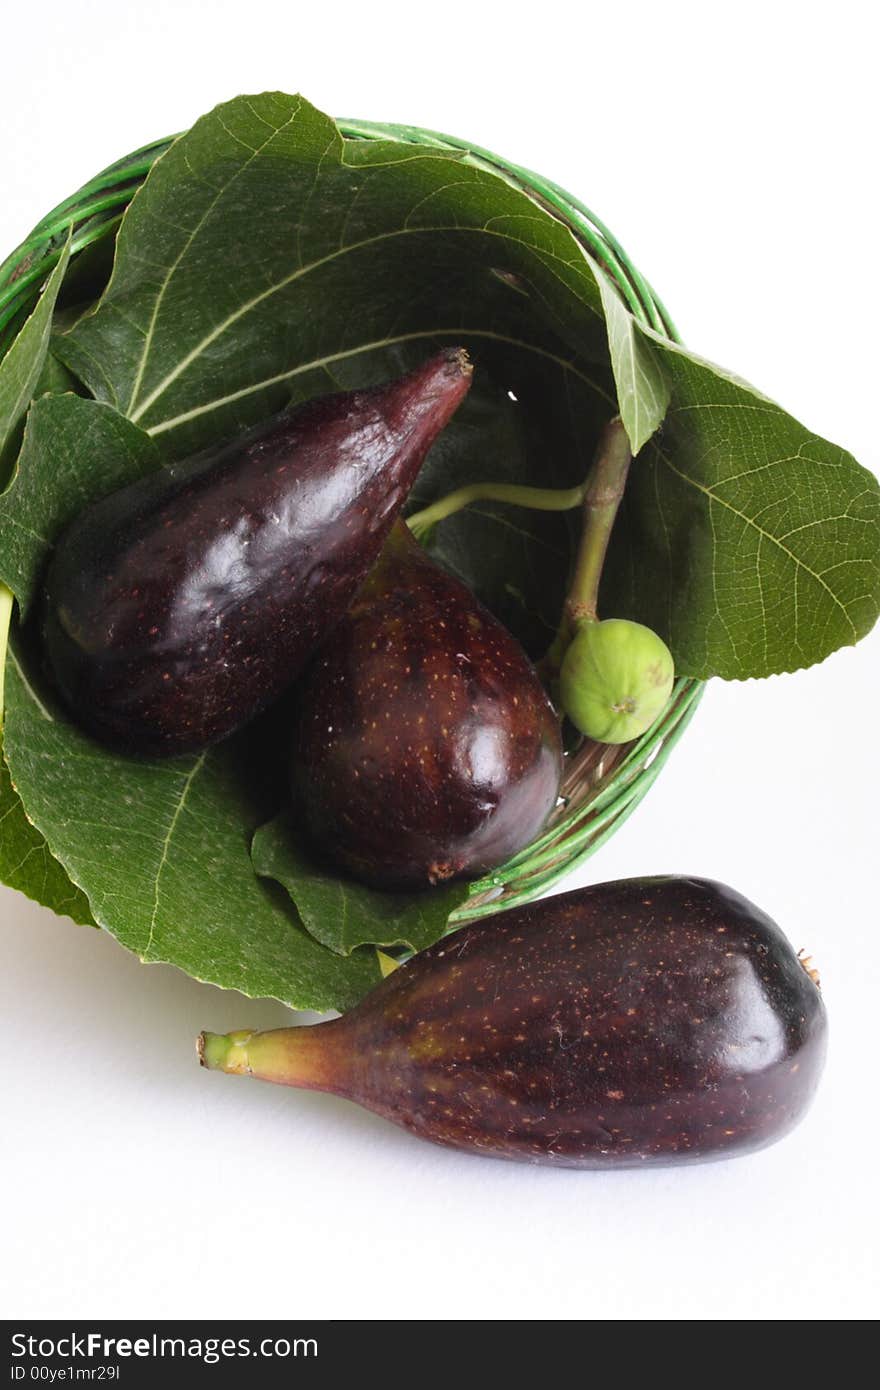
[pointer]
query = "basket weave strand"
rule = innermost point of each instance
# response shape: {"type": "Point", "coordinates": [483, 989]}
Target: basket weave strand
{"type": "Point", "coordinates": [602, 784]}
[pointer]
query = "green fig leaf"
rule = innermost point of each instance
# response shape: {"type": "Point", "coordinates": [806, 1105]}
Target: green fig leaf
{"type": "Point", "coordinates": [341, 913]}
{"type": "Point", "coordinates": [751, 545]}
{"type": "Point", "coordinates": [22, 365]}
{"type": "Point", "coordinates": [642, 387]}
{"type": "Point", "coordinates": [27, 369]}
{"type": "Point", "coordinates": [161, 851]}
{"type": "Point", "coordinates": [158, 850]}
{"type": "Point", "coordinates": [362, 248]}
{"type": "Point", "coordinates": [56, 378]}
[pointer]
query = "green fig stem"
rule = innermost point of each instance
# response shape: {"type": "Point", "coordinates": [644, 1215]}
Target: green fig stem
{"type": "Point", "coordinates": [6, 601]}
{"type": "Point", "coordinates": [289, 1056]}
{"type": "Point", "coordinates": [602, 496]}
{"type": "Point", "coordinates": [542, 499]}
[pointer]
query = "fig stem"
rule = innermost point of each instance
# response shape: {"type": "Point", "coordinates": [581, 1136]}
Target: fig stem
{"type": "Point", "coordinates": [290, 1056]}
{"type": "Point", "coordinates": [6, 601]}
{"type": "Point", "coordinates": [602, 495]}
{"type": "Point", "coordinates": [602, 498]}
{"type": "Point", "coordinates": [542, 499]}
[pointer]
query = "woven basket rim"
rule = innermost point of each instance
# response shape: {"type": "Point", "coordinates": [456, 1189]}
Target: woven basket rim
{"type": "Point", "coordinates": [602, 784]}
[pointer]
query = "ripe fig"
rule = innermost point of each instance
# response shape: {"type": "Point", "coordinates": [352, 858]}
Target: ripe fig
{"type": "Point", "coordinates": [178, 608]}
{"type": "Point", "coordinates": [425, 746]}
{"type": "Point", "coordinates": [615, 680]}
{"type": "Point", "coordinates": [650, 1021]}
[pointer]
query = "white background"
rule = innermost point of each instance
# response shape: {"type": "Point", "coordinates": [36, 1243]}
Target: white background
{"type": "Point", "coordinates": [734, 152]}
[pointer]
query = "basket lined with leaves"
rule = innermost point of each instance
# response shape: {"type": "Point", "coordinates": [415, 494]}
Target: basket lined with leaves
{"type": "Point", "coordinates": [270, 255]}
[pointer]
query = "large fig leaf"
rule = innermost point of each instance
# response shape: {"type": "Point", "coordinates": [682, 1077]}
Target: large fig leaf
{"type": "Point", "coordinates": [265, 252]}
{"type": "Point", "coordinates": [752, 545]}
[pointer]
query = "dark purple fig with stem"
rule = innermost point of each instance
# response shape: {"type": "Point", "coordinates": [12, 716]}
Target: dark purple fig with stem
{"type": "Point", "coordinates": [425, 747]}
{"type": "Point", "coordinates": [181, 606]}
{"type": "Point", "coordinates": [649, 1021]}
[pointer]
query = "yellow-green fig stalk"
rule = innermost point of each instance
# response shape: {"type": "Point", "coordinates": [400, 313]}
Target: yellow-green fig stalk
{"type": "Point", "coordinates": [615, 680]}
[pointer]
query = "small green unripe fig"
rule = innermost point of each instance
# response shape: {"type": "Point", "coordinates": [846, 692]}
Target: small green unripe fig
{"type": "Point", "coordinates": [616, 677]}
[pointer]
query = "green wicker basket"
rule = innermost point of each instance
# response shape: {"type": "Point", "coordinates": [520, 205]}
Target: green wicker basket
{"type": "Point", "coordinates": [602, 784]}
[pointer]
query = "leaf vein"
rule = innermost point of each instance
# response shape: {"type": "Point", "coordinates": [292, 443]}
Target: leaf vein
{"type": "Point", "coordinates": [175, 264]}
{"type": "Point", "coordinates": [166, 843]}
{"type": "Point", "coordinates": [800, 565]}
{"type": "Point", "coordinates": [318, 363]}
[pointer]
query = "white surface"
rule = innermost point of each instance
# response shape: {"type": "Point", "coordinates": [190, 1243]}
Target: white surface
{"type": "Point", "coordinates": [737, 163]}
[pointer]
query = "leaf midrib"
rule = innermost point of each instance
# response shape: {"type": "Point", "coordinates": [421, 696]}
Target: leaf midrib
{"type": "Point", "coordinates": [135, 414]}
{"type": "Point", "coordinates": [317, 363]}
{"type": "Point", "coordinates": [166, 844]}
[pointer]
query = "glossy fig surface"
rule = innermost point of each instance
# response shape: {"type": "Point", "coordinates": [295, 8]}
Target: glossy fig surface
{"type": "Point", "coordinates": [178, 608]}
{"type": "Point", "coordinates": [425, 747]}
{"type": "Point", "coordinates": [649, 1021]}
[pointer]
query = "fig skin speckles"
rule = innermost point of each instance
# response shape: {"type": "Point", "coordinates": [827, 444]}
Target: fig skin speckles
{"type": "Point", "coordinates": [649, 1021]}
{"type": "Point", "coordinates": [425, 747]}
{"type": "Point", "coordinates": [178, 608]}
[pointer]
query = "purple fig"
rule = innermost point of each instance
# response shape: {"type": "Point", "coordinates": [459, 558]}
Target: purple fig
{"type": "Point", "coordinates": [425, 747]}
{"type": "Point", "coordinates": [650, 1021]}
{"type": "Point", "coordinates": [181, 606]}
